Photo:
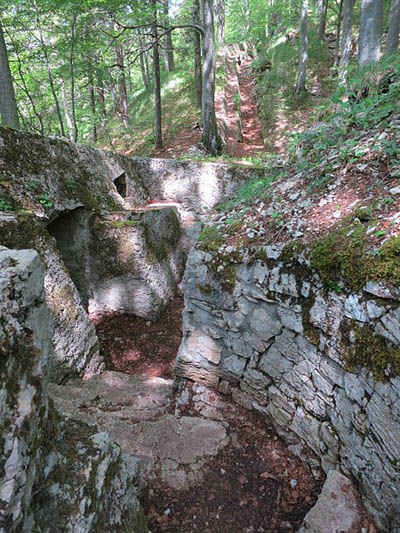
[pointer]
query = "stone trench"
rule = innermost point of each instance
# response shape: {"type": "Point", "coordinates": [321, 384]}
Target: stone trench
{"type": "Point", "coordinates": [205, 461]}
{"type": "Point", "coordinates": [88, 447]}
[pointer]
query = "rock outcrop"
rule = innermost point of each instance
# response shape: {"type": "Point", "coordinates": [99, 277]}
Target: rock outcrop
{"type": "Point", "coordinates": [56, 473]}
{"type": "Point", "coordinates": [321, 365]}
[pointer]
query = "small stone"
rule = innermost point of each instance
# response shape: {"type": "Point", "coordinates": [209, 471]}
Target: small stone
{"type": "Point", "coordinates": [293, 483]}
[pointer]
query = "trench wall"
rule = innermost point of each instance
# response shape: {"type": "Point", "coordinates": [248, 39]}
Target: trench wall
{"type": "Point", "coordinates": [265, 331]}
{"type": "Point", "coordinates": [56, 473]}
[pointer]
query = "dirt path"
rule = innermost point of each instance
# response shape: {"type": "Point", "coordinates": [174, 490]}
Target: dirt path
{"type": "Point", "coordinates": [236, 109]}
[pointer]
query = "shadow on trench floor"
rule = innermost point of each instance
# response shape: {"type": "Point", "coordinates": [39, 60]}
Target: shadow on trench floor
{"type": "Point", "coordinates": [230, 473]}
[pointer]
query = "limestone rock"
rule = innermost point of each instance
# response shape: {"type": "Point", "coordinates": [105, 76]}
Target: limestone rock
{"type": "Point", "coordinates": [338, 508]}
{"type": "Point", "coordinates": [56, 473]}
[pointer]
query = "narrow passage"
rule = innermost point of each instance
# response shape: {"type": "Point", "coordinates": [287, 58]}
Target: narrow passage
{"type": "Point", "coordinates": [253, 484]}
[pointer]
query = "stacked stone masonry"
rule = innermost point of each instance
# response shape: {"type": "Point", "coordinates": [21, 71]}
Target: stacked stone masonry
{"type": "Point", "coordinates": [278, 342]}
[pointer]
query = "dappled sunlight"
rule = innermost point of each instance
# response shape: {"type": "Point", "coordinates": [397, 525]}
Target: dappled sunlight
{"type": "Point", "coordinates": [209, 186]}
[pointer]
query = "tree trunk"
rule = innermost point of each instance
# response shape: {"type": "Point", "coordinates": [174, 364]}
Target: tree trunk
{"type": "Point", "coordinates": [369, 42]}
{"type": "Point", "coordinates": [246, 17]}
{"type": "Point", "coordinates": [25, 87]}
{"type": "Point", "coordinates": [157, 82]}
{"type": "Point", "coordinates": [322, 20]}
{"type": "Point", "coordinates": [302, 72]}
{"type": "Point", "coordinates": [392, 42]}
{"type": "Point", "coordinates": [168, 46]}
{"type": "Point", "coordinates": [49, 71]}
{"type": "Point", "coordinates": [197, 53]}
{"type": "Point", "coordinates": [8, 104]}
{"type": "Point", "coordinates": [210, 137]}
{"type": "Point", "coordinates": [123, 103]}
{"type": "Point", "coordinates": [337, 40]}
{"type": "Point", "coordinates": [346, 40]}
{"type": "Point", "coordinates": [220, 16]}
{"type": "Point", "coordinates": [101, 99]}
{"type": "Point", "coordinates": [144, 67]}
{"type": "Point", "coordinates": [68, 118]}
{"type": "Point", "coordinates": [72, 74]}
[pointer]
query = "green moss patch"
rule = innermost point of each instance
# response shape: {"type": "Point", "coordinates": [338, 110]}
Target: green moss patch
{"type": "Point", "coordinates": [386, 265]}
{"type": "Point", "coordinates": [371, 351]}
{"type": "Point", "coordinates": [210, 240]}
{"type": "Point", "coordinates": [341, 253]}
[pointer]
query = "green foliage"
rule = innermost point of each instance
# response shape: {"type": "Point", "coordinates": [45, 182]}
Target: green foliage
{"type": "Point", "coordinates": [370, 100]}
{"type": "Point", "coordinates": [45, 201]}
{"type": "Point", "coordinates": [5, 206]}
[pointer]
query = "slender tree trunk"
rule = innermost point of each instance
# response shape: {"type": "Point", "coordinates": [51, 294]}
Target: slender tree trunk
{"type": "Point", "coordinates": [8, 104]}
{"type": "Point", "coordinates": [210, 137]}
{"type": "Point", "coordinates": [302, 72]}
{"type": "Point", "coordinates": [157, 82]}
{"type": "Point", "coordinates": [197, 53]}
{"type": "Point", "coordinates": [48, 68]}
{"type": "Point", "coordinates": [269, 18]}
{"type": "Point", "coordinates": [68, 118]}
{"type": "Point", "coordinates": [337, 40]}
{"type": "Point", "coordinates": [92, 104]}
{"type": "Point", "coordinates": [146, 81]}
{"type": "Point", "coordinates": [123, 103]}
{"type": "Point", "coordinates": [101, 99]}
{"type": "Point", "coordinates": [322, 20]}
{"type": "Point", "coordinates": [369, 43]}
{"type": "Point", "coordinates": [346, 42]}
{"type": "Point", "coordinates": [392, 42]}
{"type": "Point", "coordinates": [144, 67]}
{"type": "Point", "coordinates": [168, 45]}
{"type": "Point", "coordinates": [72, 75]}
{"type": "Point", "coordinates": [220, 17]}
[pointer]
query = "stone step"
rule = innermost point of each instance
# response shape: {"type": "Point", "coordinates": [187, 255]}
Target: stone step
{"type": "Point", "coordinates": [138, 413]}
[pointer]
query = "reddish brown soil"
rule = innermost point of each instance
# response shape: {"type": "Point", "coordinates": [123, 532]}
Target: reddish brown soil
{"type": "Point", "coordinates": [133, 345]}
{"type": "Point", "coordinates": [246, 488]}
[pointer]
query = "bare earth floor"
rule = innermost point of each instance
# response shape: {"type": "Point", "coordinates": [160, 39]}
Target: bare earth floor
{"type": "Point", "coordinates": [230, 472]}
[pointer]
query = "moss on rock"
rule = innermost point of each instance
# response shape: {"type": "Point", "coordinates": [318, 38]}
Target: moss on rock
{"type": "Point", "coordinates": [365, 348]}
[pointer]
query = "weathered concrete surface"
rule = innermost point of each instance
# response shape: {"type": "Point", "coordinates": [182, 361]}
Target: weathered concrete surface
{"type": "Point", "coordinates": [139, 414]}
{"type": "Point", "coordinates": [56, 474]}
{"type": "Point", "coordinates": [278, 342]}
{"type": "Point", "coordinates": [119, 260]}
{"type": "Point", "coordinates": [338, 508]}
{"type": "Point", "coordinates": [76, 346]}
{"type": "Point", "coordinates": [128, 263]}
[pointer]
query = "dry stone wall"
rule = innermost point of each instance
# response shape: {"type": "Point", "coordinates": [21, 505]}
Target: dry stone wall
{"type": "Point", "coordinates": [267, 332]}
{"type": "Point", "coordinates": [56, 473]}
